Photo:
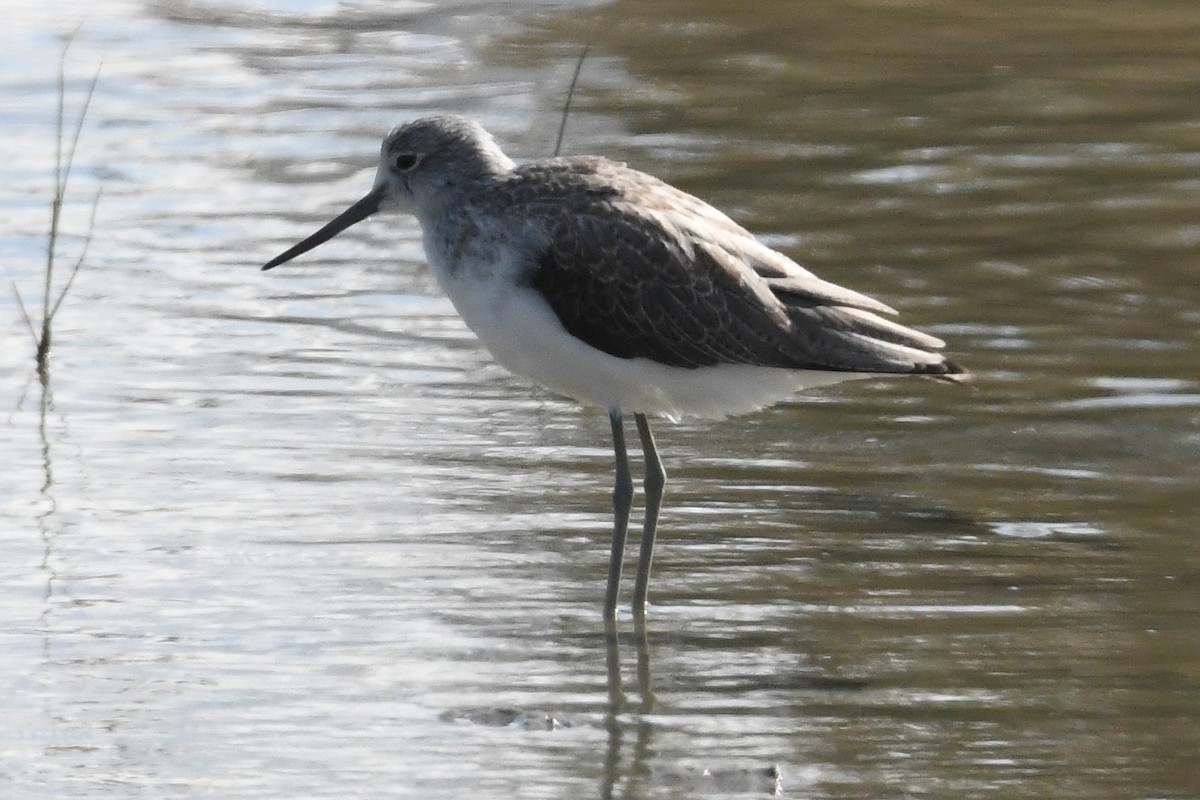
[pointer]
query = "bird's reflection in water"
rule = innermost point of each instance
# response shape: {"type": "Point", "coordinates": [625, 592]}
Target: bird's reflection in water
{"type": "Point", "coordinates": [641, 773]}
{"type": "Point", "coordinates": [618, 702]}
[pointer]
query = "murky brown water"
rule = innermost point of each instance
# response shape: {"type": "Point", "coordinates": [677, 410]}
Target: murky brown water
{"type": "Point", "coordinates": [293, 535]}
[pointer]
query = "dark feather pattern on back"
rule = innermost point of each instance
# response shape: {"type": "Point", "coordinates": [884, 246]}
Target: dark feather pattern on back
{"type": "Point", "coordinates": [625, 273]}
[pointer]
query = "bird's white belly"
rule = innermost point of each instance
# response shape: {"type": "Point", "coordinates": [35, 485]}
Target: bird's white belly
{"type": "Point", "coordinates": [524, 335]}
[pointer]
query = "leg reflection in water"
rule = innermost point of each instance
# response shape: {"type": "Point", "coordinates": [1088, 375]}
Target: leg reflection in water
{"type": "Point", "coordinates": [637, 770]}
{"type": "Point", "coordinates": [642, 771]}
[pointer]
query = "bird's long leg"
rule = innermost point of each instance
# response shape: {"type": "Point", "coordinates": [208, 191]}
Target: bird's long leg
{"type": "Point", "coordinates": [622, 502]}
{"type": "Point", "coordinates": [654, 483]}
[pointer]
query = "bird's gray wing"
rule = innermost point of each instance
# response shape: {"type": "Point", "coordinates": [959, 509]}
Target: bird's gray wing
{"type": "Point", "coordinates": [638, 269]}
{"type": "Point", "coordinates": [625, 284]}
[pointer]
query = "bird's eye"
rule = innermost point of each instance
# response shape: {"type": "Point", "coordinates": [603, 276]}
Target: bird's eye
{"type": "Point", "coordinates": [403, 162]}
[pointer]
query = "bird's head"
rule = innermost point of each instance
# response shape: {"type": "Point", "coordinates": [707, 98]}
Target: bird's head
{"type": "Point", "coordinates": [423, 166]}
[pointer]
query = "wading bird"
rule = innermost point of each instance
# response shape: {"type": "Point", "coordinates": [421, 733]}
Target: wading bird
{"type": "Point", "coordinates": [614, 288]}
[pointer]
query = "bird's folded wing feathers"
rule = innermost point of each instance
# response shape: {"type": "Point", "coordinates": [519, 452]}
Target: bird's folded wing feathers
{"type": "Point", "coordinates": [639, 269]}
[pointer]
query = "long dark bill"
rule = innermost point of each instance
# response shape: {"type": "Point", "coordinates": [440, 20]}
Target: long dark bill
{"type": "Point", "coordinates": [355, 213]}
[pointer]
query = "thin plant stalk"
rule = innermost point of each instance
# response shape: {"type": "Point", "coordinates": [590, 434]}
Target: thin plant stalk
{"type": "Point", "coordinates": [562, 126]}
{"type": "Point", "coordinates": [64, 159]}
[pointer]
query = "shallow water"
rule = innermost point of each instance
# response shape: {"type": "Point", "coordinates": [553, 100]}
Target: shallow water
{"type": "Point", "coordinates": [293, 535]}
